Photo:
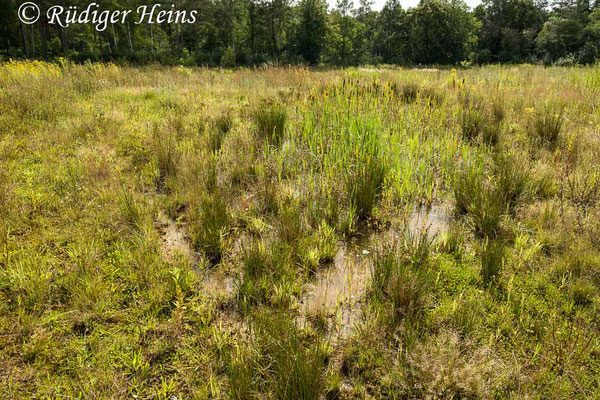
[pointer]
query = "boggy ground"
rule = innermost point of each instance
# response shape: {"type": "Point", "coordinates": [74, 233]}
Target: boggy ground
{"type": "Point", "coordinates": [297, 234]}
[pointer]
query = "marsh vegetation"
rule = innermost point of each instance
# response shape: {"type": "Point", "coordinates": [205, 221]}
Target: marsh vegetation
{"type": "Point", "coordinates": [299, 234]}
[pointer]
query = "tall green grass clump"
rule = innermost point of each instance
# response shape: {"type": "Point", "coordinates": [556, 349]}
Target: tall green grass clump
{"type": "Point", "coordinates": [364, 179]}
{"type": "Point", "coordinates": [492, 258]}
{"type": "Point", "coordinates": [242, 373]}
{"type": "Point", "coordinates": [416, 247]}
{"type": "Point", "coordinates": [6, 210]}
{"type": "Point", "coordinates": [224, 123]}
{"type": "Point", "coordinates": [5, 193]}
{"type": "Point", "coordinates": [318, 248]}
{"type": "Point", "coordinates": [270, 119]}
{"type": "Point", "coordinates": [511, 177]}
{"type": "Point", "coordinates": [166, 158]}
{"type": "Point", "coordinates": [491, 132]}
{"type": "Point", "coordinates": [431, 96]}
{"type": "Point", "coordinates": [264, 267]}
{"type": "Point", "coordinates": [472, 122]}
{"type": "Point", "coordinates": [477, 125]}
{"type": "Point", "coordinates": [452, 241]}
{"type": "Point", "coordinates": [220, 128]}
{"type": "Point", "coordinates": [293, 363]}
{"type": "Point", "coordinates": [497, 109]}
{"type": "Point", "coordinates": [209, 222]}
{"type": "Point", "coordinates": [280, 361]}
{"type": "Point", "coordinates": [253, 283]}
{"type": "Point", "coordinates": [401, 285]}
{"type": "Point", "coordinates": [546, 125]}
{"type": "Point", "coordinates": [409, 93]}
{"type": "Point", "coordinates": [477, 198]}
{"type": "Point", "coordinates": [131, 211]}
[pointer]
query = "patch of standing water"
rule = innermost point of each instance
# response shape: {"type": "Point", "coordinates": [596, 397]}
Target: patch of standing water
{"type": "Point", "coordinates": [432, 220]}
{"type": "Point", "coordinates": [344, 281]}
{"type": "Point", "coordinates": [218, 284]}
{"type": "Point", "coordinates": [174, 240]}
{"type": "Point", "coordinates": [175, 244]}
{"type": "Point", "coordinates": [336, 291]}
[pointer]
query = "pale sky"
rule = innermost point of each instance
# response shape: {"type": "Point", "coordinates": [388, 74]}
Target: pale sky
{"type": "Point", "coordinates": [405, 3]}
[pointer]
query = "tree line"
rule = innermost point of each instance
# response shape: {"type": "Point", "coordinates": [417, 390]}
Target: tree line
{"type": "Point", "coordinates": [232, 33]}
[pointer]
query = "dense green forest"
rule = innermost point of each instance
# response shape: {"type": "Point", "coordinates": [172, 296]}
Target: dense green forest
{"type": "Point", "coordinates": [249, 32]}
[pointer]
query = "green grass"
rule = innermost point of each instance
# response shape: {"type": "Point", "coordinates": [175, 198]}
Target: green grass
{"type": "Point", "coordinates": [479, 201]}
{"type": "Point", "coordinates": [270, 119]}
{"type": "Point", "coordinates": [480, 126]}
{"type": "Point", "coordinates": [546, 125]}
{"type": "Point", "coordinates": [401, 286]}
{"type": "Point", "coordinates": [492, 257]}
{"type": "Point", "coordinates": [220, 128]}
{"type": "Point", "coordinates": [364, 180]}
{"type": "Point", "coordinates": [293, 363]}
{"type": "Point", "coordinates": [209, 222]}
{"type": "Point", "coordinates": [248, 234]}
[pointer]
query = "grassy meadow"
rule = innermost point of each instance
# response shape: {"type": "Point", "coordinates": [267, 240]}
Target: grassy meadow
{"type": "Point", "coordinates": [286, 233]}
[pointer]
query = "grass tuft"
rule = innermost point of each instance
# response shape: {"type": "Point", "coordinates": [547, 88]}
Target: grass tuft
{"type": "Point", "coordinates": [221, 127]}
{"type": "Point", "coordinates": [477, 198]}
{"type": "Point", "coordinates": [492, 259]}
{"type": "Point", "coordinates": [546, 125]}
{"type": "Point", "coordinates": [511, 177]}
{"type": "Point", "coordinates": [131, 211]}
{"type": "Point", "coordinates": [364, 181]}
{"type": "Point", "coordinates": [166, 157]}
{"type": "Point", "coordinates": [477, 125]}
{"type": "Point", "coordinates": [270, 122]}
{"type": "Point", "coordinates": [472, 123]}
{"type": "Point", "coordinates": [209, 223]}
{"type": "Point", "coordinates": [399, 284]}
{"type": "Point", "coordinates": [409, 92]}
{"type": "Point", "coordinates": [294, 364]}
{"type": "Point", "coordinates": [241, 368]}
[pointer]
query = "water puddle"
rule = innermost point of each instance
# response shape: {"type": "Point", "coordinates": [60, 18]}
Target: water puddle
{"type": "Point", "coordinates": [431, 220]}
{"type": "Point", "coordinates": [218, 284]}
{"type": "Point", "coordinates": [336, 292]}
{"type": "Point", "coordinates": [343, 281]}
{"type": "Point", "coordinates": [174, 240]}
{"type": "Point", "coordinates": [175, 244]}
